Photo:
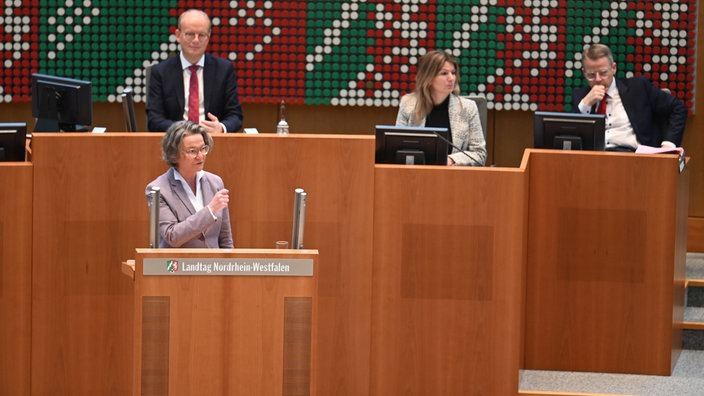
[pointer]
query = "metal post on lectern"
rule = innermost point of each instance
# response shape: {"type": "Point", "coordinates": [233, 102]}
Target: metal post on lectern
{"type": "Point", "coordinates": [299, 218]}
{"type": "Point", "coordinates": [154, 217]}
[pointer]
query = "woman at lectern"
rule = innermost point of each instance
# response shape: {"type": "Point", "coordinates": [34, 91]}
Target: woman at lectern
{"type": "Point", "coordinates": [193, 203]}
{"type": "Point", "coordinates": [436, 102]}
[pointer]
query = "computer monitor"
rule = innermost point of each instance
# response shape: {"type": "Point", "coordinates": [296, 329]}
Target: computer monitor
{"type": "Point", "coordinates": [61, 104]}
{"type": "Point", "coordinates": [128, 110]}
{"type": "Point", "coordinates": [12, 141]}
{"type": "Point", "coordinates": [569, 131]}
{"type": "Point", "coordinates": [411, 145]}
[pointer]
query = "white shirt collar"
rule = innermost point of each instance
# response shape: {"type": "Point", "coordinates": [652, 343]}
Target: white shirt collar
{"type": "Point", "coordinates": [197, 198]}
{"type": "Point", "coordinates": [612, 88]}
{"type": "Point", "coordinates": [185, 64]}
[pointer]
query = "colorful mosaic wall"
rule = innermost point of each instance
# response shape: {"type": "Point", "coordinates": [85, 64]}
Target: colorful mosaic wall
{"type": "Point", "coordinates": [522, 55]}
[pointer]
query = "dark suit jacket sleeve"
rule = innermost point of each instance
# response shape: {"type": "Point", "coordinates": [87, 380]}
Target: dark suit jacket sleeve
{"type": "Point", "coordinates": [166, 96]}
{"type": "Point", "coordinates": [577, 96]}
{"type": "Point", "coordinates": [654, 114]}
{"type": "Point", "coordinates": [220, 90]}
{"type": "Point", "coordinates": [671, 114]}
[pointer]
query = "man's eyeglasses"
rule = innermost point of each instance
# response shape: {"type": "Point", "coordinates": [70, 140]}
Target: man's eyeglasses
{"type": "Point", "coordinates": [190, 36]}
{"type": "Point", "coordinates": [193, 152]}
{"type": "Point", "coordinates": [591, 76]}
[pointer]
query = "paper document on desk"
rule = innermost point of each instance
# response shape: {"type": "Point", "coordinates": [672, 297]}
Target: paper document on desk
{"type": "Point", "coordinates": [643, 149]}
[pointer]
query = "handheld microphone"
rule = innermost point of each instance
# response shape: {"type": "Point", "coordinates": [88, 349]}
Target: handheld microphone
{"type": "Point", "coordinates": [452, 145]}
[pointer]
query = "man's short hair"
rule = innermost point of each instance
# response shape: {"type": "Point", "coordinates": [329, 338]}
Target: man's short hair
{"type": "Point", "coordinates": [598, 51]}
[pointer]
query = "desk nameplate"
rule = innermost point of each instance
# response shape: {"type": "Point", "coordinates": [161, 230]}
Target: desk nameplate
{"type": "Point", "coordinates": [195, 266]}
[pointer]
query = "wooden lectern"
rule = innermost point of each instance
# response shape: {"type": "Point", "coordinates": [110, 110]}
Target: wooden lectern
{"type": "Point", "coordinates": [224, 321]}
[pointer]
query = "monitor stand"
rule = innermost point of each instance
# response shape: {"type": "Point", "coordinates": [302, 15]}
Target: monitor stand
{"type": "Point", "coordinates": [567, 142]}
{"type": "Point", "coordinates": [410, 157]}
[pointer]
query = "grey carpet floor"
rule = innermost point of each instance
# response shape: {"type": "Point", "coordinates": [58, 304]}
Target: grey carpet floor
{"type": "Point", "coordinates": [695, 265]}
{"type": "Point", "coordinates": [687, 378]}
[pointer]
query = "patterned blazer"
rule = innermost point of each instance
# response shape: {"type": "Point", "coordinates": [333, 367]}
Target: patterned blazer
{"type": "Point", "coordinates": [180, 225]}
{"type": "Point", "coordinates": [466, 128]}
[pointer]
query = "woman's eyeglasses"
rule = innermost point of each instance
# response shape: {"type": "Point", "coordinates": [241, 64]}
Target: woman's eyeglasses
{"type": "Point", "coordinates": [193, 152]}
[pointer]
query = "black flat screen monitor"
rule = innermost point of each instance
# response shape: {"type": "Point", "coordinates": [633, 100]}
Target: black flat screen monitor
{"type": "Point", "coordinates": [12, 141]}
{"type": "Point", "coordinates": [411, 145]}
{"type": "Point", "coordinates": [569, 131]}
{"type": "Point", "coordinates": [61, 104]}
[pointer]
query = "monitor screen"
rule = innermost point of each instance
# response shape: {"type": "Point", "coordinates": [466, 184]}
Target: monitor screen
{"type": "Point", "coordinates": [569, 131]}
{"type": "Point", "coordinates": [411, 145]}
{"type": "Point", "coordinates": [12, 141]}
{"type": "Point", "coordinates": [61, 104]}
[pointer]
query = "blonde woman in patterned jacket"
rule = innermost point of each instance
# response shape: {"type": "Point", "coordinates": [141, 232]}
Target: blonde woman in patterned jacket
{"type": "Point", "coordinates": [435, 102]}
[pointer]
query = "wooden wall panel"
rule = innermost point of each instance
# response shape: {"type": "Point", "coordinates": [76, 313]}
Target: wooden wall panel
{"type": "Point", "coordinates": [15, 277]}
{"type": "Point", "coordinates": [695, 234]}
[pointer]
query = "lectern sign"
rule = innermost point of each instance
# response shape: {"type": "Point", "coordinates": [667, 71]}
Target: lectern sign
{"type": "Point", "coordinates": [228, 266]}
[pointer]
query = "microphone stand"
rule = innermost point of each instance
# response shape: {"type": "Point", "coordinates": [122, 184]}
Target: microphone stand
{"type": "Point", "coordinates": [452, 145]}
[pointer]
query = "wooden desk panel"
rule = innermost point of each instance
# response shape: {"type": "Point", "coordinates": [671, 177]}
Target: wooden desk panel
{"type": "Point", "coordinates": [82, 316]}
{"type": "Point", "coordinates": [15, 277]}
{"type": "Point", "coordinates": [448, 287]}
{"type": "Point", "coordinates": [337, 173]}
{"type": "Point", "coordinates": [606, 252]}
{"type": "Point", "coordinates": [89, 214]}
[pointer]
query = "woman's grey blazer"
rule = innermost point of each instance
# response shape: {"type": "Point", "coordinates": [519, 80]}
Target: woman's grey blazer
{"type": "Point", "coordinates": [180, 225]}
{"type": "Point", "coordinates": [466, 128]}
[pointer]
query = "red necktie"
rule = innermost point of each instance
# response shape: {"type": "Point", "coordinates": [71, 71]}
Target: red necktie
{"type": "Point", "coordinates": [193, 106]}
{"type": "Point", "coordinates": [602, 105]}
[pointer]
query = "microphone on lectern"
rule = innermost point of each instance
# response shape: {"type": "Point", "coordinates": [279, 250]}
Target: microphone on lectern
{"type": "Point", "coordinates": [452, 145]}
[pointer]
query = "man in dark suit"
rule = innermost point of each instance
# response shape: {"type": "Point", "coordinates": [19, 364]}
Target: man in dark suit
{"type": "Point", "coordinates": [637, 112]}
{"type": "Point", "coordinates": [216, 106]}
